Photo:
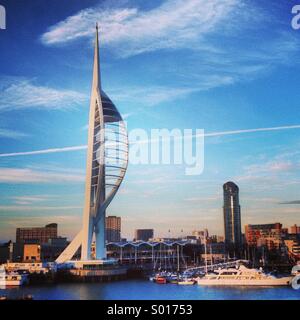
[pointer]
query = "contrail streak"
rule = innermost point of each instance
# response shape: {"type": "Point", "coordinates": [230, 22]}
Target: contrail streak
{"type": "Point", "coordinates": [45, 151]}
{"type": "Point", "coordinates": [224, 133]}
{"type": "Point", "coordinates": [211, 134]}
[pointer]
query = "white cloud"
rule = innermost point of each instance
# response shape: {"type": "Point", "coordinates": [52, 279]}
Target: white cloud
{"type": "Point", "coordinates": [202, 199]}
{"type": "Point", "coordinates": [222, 36]}
{"type": "Point", "coordinates": [19, 93]}
{"type": "Point", "coordinates": [26, 175]}
{"type": "Point", "coordinates": [25, 200]}
{"type": "Point", "coordinates": [271, 167]}
{"type": "Point", "coordinates": [12, 134]}
{"type": "Point", "coordinates": [279, 171]}
{"type": "Point", "coordinates": [37, 208]}
{"type": "Point", "coordinates": [174, 24]}
{"type": "Point", "coordinates": [149, 95]}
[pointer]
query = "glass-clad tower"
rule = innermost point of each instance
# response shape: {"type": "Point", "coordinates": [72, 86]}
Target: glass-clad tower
{"type": "Point", "coordinates": [232, 215]}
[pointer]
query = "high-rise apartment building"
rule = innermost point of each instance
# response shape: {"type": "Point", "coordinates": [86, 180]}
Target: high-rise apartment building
{"type": "Point", "coordinates": [113, 229]}
{"type": "Point", "coordinates": [232, 215]}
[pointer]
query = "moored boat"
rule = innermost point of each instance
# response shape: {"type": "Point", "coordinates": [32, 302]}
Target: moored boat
{"type": "Point", "coordinates": [160, 280]}
{"type": "Point", "coordinates": [173, 280]}
{"type": "Point", "coordinates": [242, 276]}
{"type": "Point", "coordinates": [11, 279]}
{"type": "Point", "coordinates": [164, 277]}
{"type": "Point", "coordinates": [186, 282]}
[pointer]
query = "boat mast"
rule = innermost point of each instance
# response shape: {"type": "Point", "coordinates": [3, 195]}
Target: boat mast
{"type": "Point", "coordinates": [178, 267]}
{"type": "Point", "coordinates": [205, 249]}
{"type": "Point", "coordinates": [211, 256]}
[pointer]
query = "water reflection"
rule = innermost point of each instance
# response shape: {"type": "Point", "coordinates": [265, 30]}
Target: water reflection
{"type": "Point", "coordinates": [141, 289]}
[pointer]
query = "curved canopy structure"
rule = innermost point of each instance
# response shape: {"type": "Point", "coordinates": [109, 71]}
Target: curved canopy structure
{"type": "Point", "coordinates": [107, 159]}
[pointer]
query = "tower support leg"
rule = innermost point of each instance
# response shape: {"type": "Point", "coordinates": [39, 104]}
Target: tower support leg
{"type": "Point", "coordinates": [87, 238]}
{"type": "Point", "coordinates": [100, 238]}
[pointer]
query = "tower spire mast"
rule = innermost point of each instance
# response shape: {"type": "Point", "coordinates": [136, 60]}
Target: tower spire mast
{"type": "Point", "coordinates": [96, 70]}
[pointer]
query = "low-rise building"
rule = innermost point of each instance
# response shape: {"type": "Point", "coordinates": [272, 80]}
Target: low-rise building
{"type": "Point", "coordinates": [295, 229]}
{"type": "Point", "coordinates": [32, 252]}
{"type": "Point", "coordinates": [4, 252]}
{"type": "Point", "coordinates": [143, 234]}
{"type": "Point", "coordinates": [293, 246]}
{"type": "Point", "coordinates": [31, 267]}
{"type": "Point", "coordinates": [263, 234]}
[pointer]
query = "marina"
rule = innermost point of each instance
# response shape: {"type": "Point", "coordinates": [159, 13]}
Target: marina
{"type": "Point", "coordinates": [235, 273]}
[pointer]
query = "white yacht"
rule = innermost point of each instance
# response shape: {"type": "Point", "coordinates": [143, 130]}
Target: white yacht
{"type": "Point", "coordinates": [8, 279]}
{"type": "Point", "coordinates": [242, 276]}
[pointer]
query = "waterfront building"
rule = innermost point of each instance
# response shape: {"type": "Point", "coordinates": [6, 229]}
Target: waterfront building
{"type": "Point", "coordinates": [4, 252]}
{"type": "Point", "coordinates": [232, 215]}
{"type": "Point", "coordinates": [51, 250]}
{"type": "Point", "coordinates": [220, 239]}
{"type": "Point", "coordinates": [32, 252]}
{"type": "Point", "coordinates": [154, 254]}
{"type": "Point", "coordinates": [36, 234]}
{"type": "Point", "coordinates": [113, 229]}
{"type": "Point", "coordinates": [31, 267]}
{"type": "Point", "coordinates": [46, 252]}
{"type": "Point", "coordinates": [264, 234]}
{"type": "Point", "coordinates": [201, 235]}
{"type": "Point", "coordinates": [284, 231]}
{"type": "Point", "coordinates": [295, 229]}
{"type": "Point", "coordinates": [143, 234]}
{"type": "Point", "coordinates": [107, 159]}
{"type": "Point", "coordinates": [38, 244]}
{"type": "Point", "coordinates": [272, 242]}
{"type": "Point", "coordinates": [293, 246]}
{"type": "Point", "coordinates": [192, 239]}
{"type": "Point", "coordinates": [214, 253]}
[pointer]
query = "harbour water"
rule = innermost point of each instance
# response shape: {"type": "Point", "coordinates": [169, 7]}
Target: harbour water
{"type": "Point", "coordinates": [143, 289]}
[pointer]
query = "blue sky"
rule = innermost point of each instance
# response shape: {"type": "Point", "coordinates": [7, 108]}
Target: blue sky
{"type": "Point", "coordinates": [218, 65]}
